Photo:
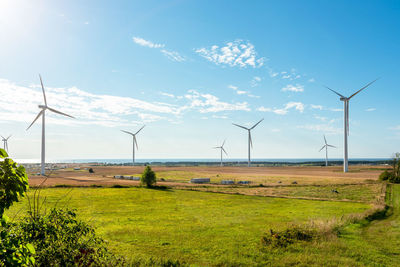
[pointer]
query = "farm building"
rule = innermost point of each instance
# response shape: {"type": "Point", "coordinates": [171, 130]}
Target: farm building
{"type": "Point", "coordinates": [200, 180]}
{"type": "Point", "coordinates": [227, 182]}
{"type": "Point", "coordinates": [244, 182]}
{"type": "Point", "coordinates": [127, 177]}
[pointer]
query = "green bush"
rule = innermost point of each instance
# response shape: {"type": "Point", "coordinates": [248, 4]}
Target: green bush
{"type": "Point", "coordinates": [60, 239]}
{"type": "Point", "coordinates": [386, 175]}
{"type": "Point", "coordinates": [91, 170]}
{"type": "Point", "coordinates": [13, 185]}
{"type": "Point", "coordinates": [148, 177]}
{"type": "Point", "coordinates": [286, 237]}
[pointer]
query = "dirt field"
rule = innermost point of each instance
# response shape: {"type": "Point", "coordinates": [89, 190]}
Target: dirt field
{"type": "Point", "coordinates": [180, 176]}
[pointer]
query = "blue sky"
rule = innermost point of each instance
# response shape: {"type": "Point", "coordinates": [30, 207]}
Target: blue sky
{"type": "Point", "coordinates": [189, 69]}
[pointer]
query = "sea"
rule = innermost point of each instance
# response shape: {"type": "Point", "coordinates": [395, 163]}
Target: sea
{"type": "Point", "coordinates": [194, 161]}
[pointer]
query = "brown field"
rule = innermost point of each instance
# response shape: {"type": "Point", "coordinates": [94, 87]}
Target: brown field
{"type": "Point", "coordinates": [179, 176]}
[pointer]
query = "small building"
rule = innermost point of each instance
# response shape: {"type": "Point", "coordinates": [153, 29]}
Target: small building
{"type": "Point", "coordinates": [244, 182]}
{"type": "Point", "coordinates": [200, 180]}
{"type": "Point", "coordinates": [227, 182]}
{"type": "Point", "coordinates": [77, 169]}
{"type": "Point", "coordinates": [133, 178]}
{"type": "Point", "coordinates": [118, 176]}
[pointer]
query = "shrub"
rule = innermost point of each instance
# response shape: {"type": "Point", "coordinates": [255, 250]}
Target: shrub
{"type": "Point", "coordinates": [91, 170]}
{"type": "Point", "coordinates": [60, 239]}
{"type": "Point", "coordinates": [13, 182]}
{"type": "Point", "coordinates": [13, 185]}
{"type": "Point", "coordinates": [148, 177]}
{"type": "Point", "coordinates": [286, 237]}
{"type": "Point", "coordinates": [386, 175]}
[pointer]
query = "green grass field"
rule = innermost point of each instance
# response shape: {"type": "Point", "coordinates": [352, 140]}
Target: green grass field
{"type": "Point", "coordinates": [193, 227]}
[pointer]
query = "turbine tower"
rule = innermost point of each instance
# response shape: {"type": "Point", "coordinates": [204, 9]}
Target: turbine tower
{"type": "Point", "coordinates": [326, 151]}
{"type": "Point", "coordinates": [346, 122]}
{"type": "Point", "coordinates": [249, 138]}
{"type": "Point", "coordinates": [42, 113]}
{"type": "Point", "coordinates": [5, 142]}
{"type": "Point", "coordinates": [134, 142]}
{"type": "Point", "coordinates": [222, 149]}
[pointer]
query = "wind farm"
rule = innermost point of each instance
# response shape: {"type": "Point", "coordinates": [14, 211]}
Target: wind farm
{"type": "Point", "coordinates": [169, 133]}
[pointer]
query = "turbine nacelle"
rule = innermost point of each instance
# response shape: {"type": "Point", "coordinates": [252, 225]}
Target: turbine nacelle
{"type": "Point", "coordinates": [42, 106]}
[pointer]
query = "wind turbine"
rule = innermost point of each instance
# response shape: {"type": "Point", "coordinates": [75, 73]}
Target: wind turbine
{"type": "Point", "coordinates": [346, 122]}
{"type": "Point", "coordinates": [326, 151]}
{"type": "Point", "coordinates": [134, 142]}
{"type": "Point", "coordinates": [250, 141]}
{"type": "Point", "coordinates": [222, 149]}
{"type": "Point", "coordinates": [5, 142]}
{"type": "Point", "coordinates": [42, 113]}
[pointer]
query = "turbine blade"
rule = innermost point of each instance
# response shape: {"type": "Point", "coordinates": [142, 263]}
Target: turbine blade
{"type": "Point", "coordinates": [332, 146]}
{"type": "Point", "coordinates": [251, 141]}
{"type": "Point", "coordinates": [335, 92]}
{"type": "Point", "coordinates": [240, 126]}
{"type": "Point", "coordinates": [256, 124]}
{"type": "Point", "coordinates": [59, 112]}
{"type": "Point", "coordinates": [139, 130]}
{"type": "Point", "coordinates": [363, 88]}
{"type": "Point", "coordinates": [135, 141]}
{"type": "Point", "coordinates": [37, 117]}
{"type": "Point", "coordinates": [223, 143]}
{"type": "Point", "coordinates": [322, 148]}
{"type": "Point", "coordinates": [127, 132]}
{"type": "Point", "coordinates": [224, 151]}
{"type": "Point", "coordinates": [8, 136]}
{"type": "Point", "coordinates": [2, 136]}
{"type": "Point", "coordinates": [325, 140]}
{"type": "Point", "coordinates": [217, 147]}
{"type": "Point", "coordinates": [44, 94]}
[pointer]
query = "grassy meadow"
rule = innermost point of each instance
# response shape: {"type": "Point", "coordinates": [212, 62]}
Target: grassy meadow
{"type": "Point", "coordinates": [197, 228]}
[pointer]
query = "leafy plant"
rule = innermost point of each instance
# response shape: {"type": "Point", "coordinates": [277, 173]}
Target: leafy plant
{"type": "Point", "coordinates": [13, 182]}
{"type": "Point", "coordinates": [286, 237]}
{"type": "Point", "coordinates": [148, 177]}
{"type": "Point", "coordinates": [60, 239]}
{"type": "Point", "coordinates": [13, 185]}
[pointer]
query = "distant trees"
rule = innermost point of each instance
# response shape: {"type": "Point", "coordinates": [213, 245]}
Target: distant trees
{"type": "Point", "coordinates": [148, 177]}
{"type": "Point", "coordinates": [393, 175]}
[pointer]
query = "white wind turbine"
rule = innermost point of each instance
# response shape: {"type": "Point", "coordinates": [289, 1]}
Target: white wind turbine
{"type": "Point", "coordinates": [42, 113]}
{"type": "Point", "coordinates": [134, 142]}
{"type": "Point", "coordinates": [249, 138]}
{"type": "Point", "coordinates": [5, 142]}
{"type": "Point", "coordinates": [222, 149]}
{"type": "Point", "coordinates": [346, 122]}
{"type": "Point", "coordinates": [326, 151]}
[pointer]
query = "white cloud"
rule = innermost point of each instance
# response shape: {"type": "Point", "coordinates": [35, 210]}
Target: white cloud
{"type": "Point", "coordinates": [396, 128]}
{"type": "Point", "coordinates": [236, 53]}
{"type": "Point", "coordinates": [324, 128]}
{"type": "Point", "coordinates": [172, 55]}
{"type": "Point", "coordinates": [143, 42]}
{"type": "Point", "coordinates": [293, 88]}
{"type": "Point", "coordinates": [242, 92]}
{"type": "Point", "coordinates": [219, 117]}
{"type": "Point", "coordinates": [19, 104]}
{"type": "Point", "coordinates": [311, 80]}
{"type": "Point", "coordinates": [167, 94]}
{"type": "Point", "coordinates": [205, 103]}
{"type": "Point", "coordinates": [336, 109]}
{"type": "Point", "coordinates": [316, 107]}
{"type": "Point", "coordinates": [370, 109]}
{"type": "Point", "coordinates": [255, 81]}
{"type": "Point", "coordinates": [283, 111]}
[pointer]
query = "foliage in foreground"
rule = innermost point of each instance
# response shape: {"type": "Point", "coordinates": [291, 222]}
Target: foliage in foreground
{"type": "Point", "coordinates": [60, 239]}
{"type": "Point", "coordinates": [392, 176]}
{"type": "Point", "coordinates": [13, 185]}
{"type": "Point", "coordinates": [148, 177]}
